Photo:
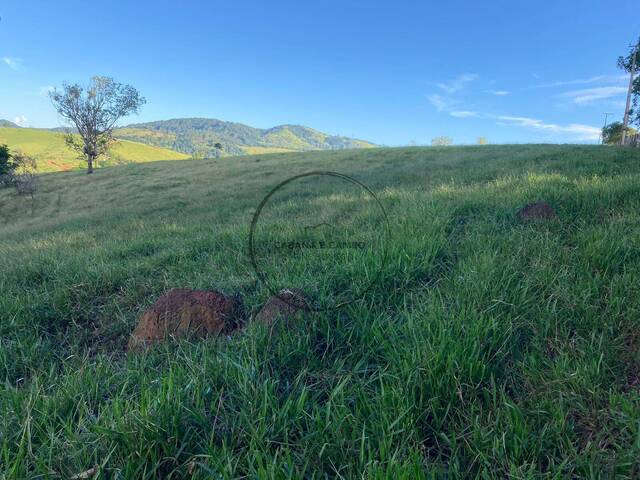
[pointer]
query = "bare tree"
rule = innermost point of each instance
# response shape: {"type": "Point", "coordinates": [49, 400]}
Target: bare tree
{"type": "Point", "coordinates": [441, 141]}
{"type": "Point", "coordinates": [94, 111]}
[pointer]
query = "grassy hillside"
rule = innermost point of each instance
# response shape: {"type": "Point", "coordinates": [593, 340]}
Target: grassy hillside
{"type": "Point", "coordinates": [199, 136]}
{"type": "Point", "coordinates": [488, 348]}
{"type": "Point", "coordinates": [52, 154]}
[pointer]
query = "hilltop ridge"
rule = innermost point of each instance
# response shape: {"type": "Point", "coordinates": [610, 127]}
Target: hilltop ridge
{"type": "Point", "coordinates": [198, 136]}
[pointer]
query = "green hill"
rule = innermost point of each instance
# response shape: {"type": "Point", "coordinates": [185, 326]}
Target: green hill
{"type": "Point", "coordinates": [51, 153]}
{"type": "Point", "coordinates": [199, 135]}
{"type": "Point", "coordinates": [487, 347]}
{"type": "Point", "coordinates": [8, 124]}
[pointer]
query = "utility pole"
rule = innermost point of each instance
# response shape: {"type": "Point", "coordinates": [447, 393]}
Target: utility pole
{"type": "Point", "coordinates": [626, 109]}
{"type": "Point", "coordinates": [606, 115]}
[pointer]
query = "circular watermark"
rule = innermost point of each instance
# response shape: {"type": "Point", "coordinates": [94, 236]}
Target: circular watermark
{"type": "Point", "coordinates": [324, 233]}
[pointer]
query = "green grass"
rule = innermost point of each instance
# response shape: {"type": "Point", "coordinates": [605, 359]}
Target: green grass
{"type": "Point", "coordinates": [488, 349]}
{"type": "Point", "coordinates": [52, 155]}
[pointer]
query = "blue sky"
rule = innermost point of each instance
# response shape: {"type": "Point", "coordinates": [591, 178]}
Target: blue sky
{"type": "Point", "coordinates": [390, 72]}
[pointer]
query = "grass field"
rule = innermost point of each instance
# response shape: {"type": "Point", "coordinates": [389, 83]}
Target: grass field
{"type": "Point", "coordinates": [488, 348]}
{"type": "Point", "coordinates": [52, 155]}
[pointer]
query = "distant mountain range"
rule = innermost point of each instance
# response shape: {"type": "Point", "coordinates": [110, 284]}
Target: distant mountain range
{"type": "Point", "coordinates": [174, 139]}
{"type": "Point", "coordinates": [199, 136]}
{"type": "Point", "coordinates": [8, 124]}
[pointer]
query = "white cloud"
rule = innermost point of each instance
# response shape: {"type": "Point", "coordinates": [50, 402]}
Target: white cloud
{"type": "Point", "coordinates": [446, 102]}
{"type": "Point", "coordinates": [519, 121]}
{"type": "Point", "coordinates": [13, 63]}
{"type": "Point", "coordinates": [588, 95]}
{"type": "Point", "coordinates": [21, 121]}
{"type": "Point", "coordinates": [585, 81]}
{"type": "Point", "coordinates": [44, 91]}
{"type": "Point", "coordinates": [458, 83]}
{"type": "Point", "coordinates": [575, 130]}
{"type": "Point", "coordinates": [464, 114]}
{"type": "Point", "coordinates": [451, 103]}
{"type": "Point", "coordinates": [439, 102]}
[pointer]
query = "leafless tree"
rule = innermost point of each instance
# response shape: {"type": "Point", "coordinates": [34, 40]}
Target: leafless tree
{"type": "Point", "coordinates": [441, 141]}
{"type": "Point", "coordinates": [94, 110]}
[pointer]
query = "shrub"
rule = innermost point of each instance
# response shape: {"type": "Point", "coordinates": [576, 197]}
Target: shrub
{"type": "Point", "coordinates": [18, 170]}
{"type": "Point", "coordinates": [6, 165]}
{"type": "Point", "coordinates": [26, 183]}
{"type": "Point", "coordinates": [612, 133]}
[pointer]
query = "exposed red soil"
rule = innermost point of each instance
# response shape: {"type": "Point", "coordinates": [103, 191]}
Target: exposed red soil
{"type": "Point", "coordinates": [536, 211]}
{"type": "Point", "coordinates": [63, 167]}
{"type": "Point", "coordinates": [184, 312]}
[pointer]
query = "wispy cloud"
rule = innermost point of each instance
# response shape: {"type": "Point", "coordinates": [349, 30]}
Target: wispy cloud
{"type": "Point", "coordinates": [584, 81]}
{"type": "Point", "coordinates": [13, 63]}
{"type": "Point", "coordinates": [21, 121]}
{"type": "Point", "coordinates": [439, 102]}
{"type": "Point", "coordinates": [447, 100]}
{"type": "Point", "coordinates": [575, 130]}
{"type": "Point", "coordinates": [450, 101]}
{"type": "Point", "coordinates": [464, 114]}
{"type": "Point", "coordinates": [572, 131]}
{"type": "Point", "coordinates": [589, 95]}
{"type": "Point", "coordinates": [498, 93]}
{"type": "Point", "coordinates": [458, 83]}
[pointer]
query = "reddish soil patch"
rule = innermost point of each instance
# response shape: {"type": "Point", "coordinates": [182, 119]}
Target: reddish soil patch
{"type": "Point", "coordinates": [63, 167]}
{"type": "Point", "coordinates": [537, 210]}
{"type": "Point", "coordinates": [183, 312]}
{"type": "Point", "coordinates": [284, 305]}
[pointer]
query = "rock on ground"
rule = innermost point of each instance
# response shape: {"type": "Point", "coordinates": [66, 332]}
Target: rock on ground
{"type": "Point", "coordinates": [286, 304]}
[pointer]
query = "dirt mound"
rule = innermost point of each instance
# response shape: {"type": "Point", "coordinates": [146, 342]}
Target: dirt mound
{"type": "Point", "coordinates": [286, 304]}
{"type": "Point", "coordinates": [184, 312]}
{"type": "Point", "coordinates": [537, 210]}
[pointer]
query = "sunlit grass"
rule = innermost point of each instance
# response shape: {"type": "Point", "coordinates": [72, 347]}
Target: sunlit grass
{"type": "Point", "coordinates": [52, 154]}
{"type": "Point", "coordinates": [488, 348]}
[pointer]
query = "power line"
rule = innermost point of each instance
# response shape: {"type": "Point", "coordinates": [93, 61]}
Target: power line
{"type": "Point", "coordinates": [606, 115]}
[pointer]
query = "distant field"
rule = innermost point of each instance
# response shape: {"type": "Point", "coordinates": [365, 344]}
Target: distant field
{"type": "Point", "coordinates": [53, 155]}
{"type": "Point", "coordinates": [488, 348]}
{"type": "Point", "coordinates": [262, 150]}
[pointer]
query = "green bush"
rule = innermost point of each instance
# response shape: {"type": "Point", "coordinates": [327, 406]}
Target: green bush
{"type": "Point", "coordinates": [612, 133]}
{"type": "Point", "coordinates": [6, 165]}
{"type": "Point", "coordinates": [18, 170]}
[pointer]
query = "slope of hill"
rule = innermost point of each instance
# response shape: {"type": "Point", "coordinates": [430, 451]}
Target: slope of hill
{"type": "Point", "coordinates": [49, 149]}
{"type": "Point", "coordinates": [487, 347]}
{"type": "Point", "coordinates": [8, 124]}
{"type": "Point", "coordinates": [199, 135]}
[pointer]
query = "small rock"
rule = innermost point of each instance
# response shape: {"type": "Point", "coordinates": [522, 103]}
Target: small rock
{"type": "Point", "coordinates": [284, 305]}
{"type": "Point", "coordinates": [537, 210]}
{"type": "Point", "coordinates": [185, 312]}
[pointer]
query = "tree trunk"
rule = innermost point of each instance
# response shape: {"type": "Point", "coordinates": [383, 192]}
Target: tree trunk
{"type": "Point", "coordinates": [89, 163]}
